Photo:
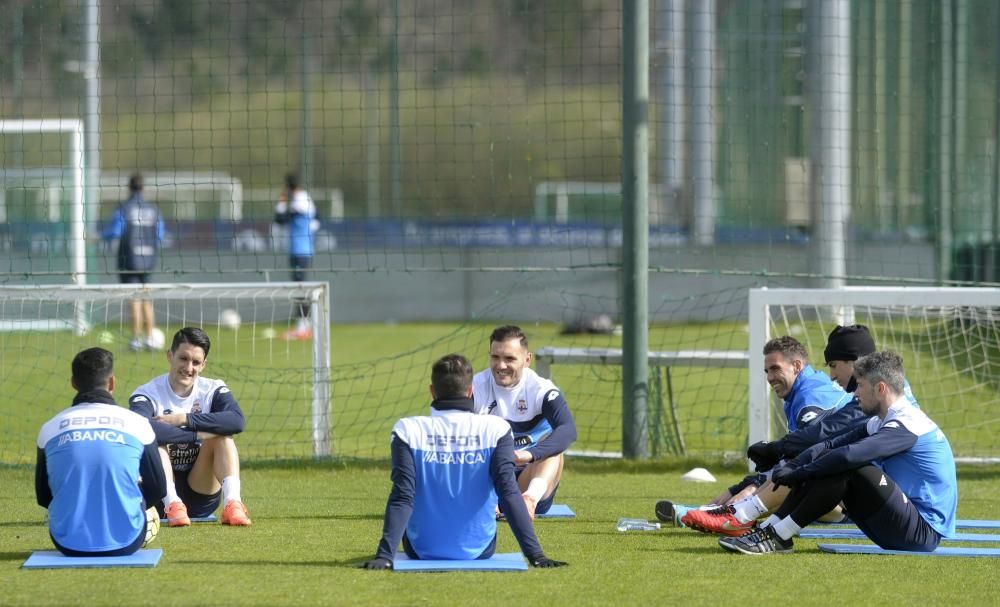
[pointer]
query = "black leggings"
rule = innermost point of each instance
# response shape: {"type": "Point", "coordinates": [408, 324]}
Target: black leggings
{"type": "Point", "coordinates": [874, 503]}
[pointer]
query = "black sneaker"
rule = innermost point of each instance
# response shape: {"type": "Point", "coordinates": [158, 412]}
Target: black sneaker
{"type": "Point", "coordinates": [760, 540]}
{"type": "Point", "coordinates": [669, 512]}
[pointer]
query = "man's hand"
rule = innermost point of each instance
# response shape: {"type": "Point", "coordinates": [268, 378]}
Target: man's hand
{"type": "Point", "coordinates": [173, 419]}
{"type": "Point", "coordinates": [764, 455]}
{"type": "Point", "coordinates": [544, 562]}
{"type": "Point", "coordinates": [788, 474]}
{"type": "Point", "coordinates": [376, 564]}
{"type": "Point", "coordinates": [523, 457]}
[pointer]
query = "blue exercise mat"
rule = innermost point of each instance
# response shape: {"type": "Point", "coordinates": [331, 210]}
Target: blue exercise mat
{"type": "Point", "coordinates": [509, 561]}
{"type": "Point", "coordinates": [52, 559]}
{"type": "Point", "coordinates": [558, 511]}
{"type": "Point", "coordinates": [962, 523]}
{"type": "Point", "coordinates": [197, 519]}
{"type": "Point", "coordinates": [873, 549]}
{"type": "Point", "coordinates": [858, 534]}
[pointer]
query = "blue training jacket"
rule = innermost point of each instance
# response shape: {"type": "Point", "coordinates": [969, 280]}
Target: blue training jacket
{"type": "Point", "coordinates": [812, 393]}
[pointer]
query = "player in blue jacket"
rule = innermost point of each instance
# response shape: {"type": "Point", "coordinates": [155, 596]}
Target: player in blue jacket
{"type": "Point", "coordinates": [138, 227]}
{"type": "Point", "coordinates": [448, 471]}
{"type": "Point", "coordinates": [895, 474]}
{"type": "Point", "coordinates": [98, 468]}
{"type": "Point", "coordinates": [542, 423]}
{"type": "Point", "coordinates": [808, 395]}
{"type": "Point", "coordinates": [297, 211]}
{"type": "Point", "coordinates": [195, 419]}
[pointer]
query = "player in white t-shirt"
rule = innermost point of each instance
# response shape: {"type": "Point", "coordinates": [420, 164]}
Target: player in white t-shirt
{"type": "Point", "coordinates": [539, 417]}
{"type": "Point", "coordinates": [195, 419]}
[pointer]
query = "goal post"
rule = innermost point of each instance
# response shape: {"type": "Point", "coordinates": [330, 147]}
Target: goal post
{"type": "Point", "coordinates": [949, 338]}
{"type": "Point", "coordinates": [283, 386]}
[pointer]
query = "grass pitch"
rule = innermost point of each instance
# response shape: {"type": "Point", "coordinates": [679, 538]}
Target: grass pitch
{"type": "Point", "coordinates": [313, 523]}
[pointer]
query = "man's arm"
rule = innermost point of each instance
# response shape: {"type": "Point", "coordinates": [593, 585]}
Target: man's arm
{"type": "Point", "coordinates": [225, 419]}
{"type": "Point", "coordinates": [511, 502]}
{"type": "Point", "coordinates": [843, 455]}
{"type": "Point", "coordinates": [399, 506]}
{"type": "Point", "coordinates": [557, 412]}
{"type": "Point", "coordinates": [166, 434]}
{"type": "Point", "coordinates": [824, 428]}
{"type": "Point", "coordinates": [116, 227]}
{"type": "Point", "coordinates": [43, 493]}
{"type": "Point", "coordinates": [154, 481]}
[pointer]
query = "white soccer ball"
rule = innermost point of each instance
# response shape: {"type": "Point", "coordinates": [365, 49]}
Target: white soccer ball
{"type": "Point", "coordinates": [152, 526]}
{"type": "Point", "coordinates": [230, 319]}
{"type": "Point", "coordinates": [156, 340]}
{"type": "Point", "coordinates": [105, 338]}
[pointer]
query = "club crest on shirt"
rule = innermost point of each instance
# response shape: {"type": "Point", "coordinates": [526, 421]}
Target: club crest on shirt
{"type": "Point", "coordinates": [522, 406]}
{"type": "Point", "coordinates": [196, 408]}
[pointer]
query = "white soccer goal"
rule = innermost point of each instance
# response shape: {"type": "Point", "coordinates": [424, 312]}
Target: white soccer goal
{"type": "Point", "coordinates": [949, 339]}
{"type": "Point", "coordinates": [283, 387]}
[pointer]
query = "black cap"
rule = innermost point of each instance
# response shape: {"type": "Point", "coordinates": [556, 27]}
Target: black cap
{"type": "Point", "coordinates": [849, 343]}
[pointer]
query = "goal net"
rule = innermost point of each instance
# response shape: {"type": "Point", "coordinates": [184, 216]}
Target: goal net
{"type": "Point", "coordinates": [949, 339]}
{"type": "Point", "coordinates": [283, 386]}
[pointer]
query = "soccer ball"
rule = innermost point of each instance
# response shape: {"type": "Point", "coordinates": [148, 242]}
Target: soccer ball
{"type": "Point", "coordinates": [152, 526]}
{"type": "Point", "coordinates": [157, 340]}
{"type": "Point", "coordinates": [105, 338]}
{"type": "Point", "coordinates": [230, 319]}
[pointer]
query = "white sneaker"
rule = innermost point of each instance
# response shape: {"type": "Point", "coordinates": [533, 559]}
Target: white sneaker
{"type": "Point", "coordinates": [135, 345]}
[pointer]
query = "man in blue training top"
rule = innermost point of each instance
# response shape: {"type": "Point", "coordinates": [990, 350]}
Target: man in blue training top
{"type": "Point", "coordinates": [98, 468]}
{"type": "Point", "coordinates": [808, 396]}
{"type": "Point", "coordinates": [138, 228]}
{"type": "Point", "coordinates": [296, 210]}
{"type": "Point", "coordinates": [195, 419]}
{"type": "Point", "coordinates": [895, 474]}
{"type": "Point", "coordinates": [542, 423]}
{"type": "Point", "coordinates": [448, 470]}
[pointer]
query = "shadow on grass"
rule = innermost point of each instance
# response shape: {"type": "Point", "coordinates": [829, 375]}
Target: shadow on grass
{"type": "Point", "coordinates": [23, 524]}
{"type": "Point", "coordinates": [347, 562]}
{"type": "Point", "coordinates": [14, 556]}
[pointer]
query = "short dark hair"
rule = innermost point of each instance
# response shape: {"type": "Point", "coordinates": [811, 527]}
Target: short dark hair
{"type": "Point", "coordinates": [92, 368]}
{"type": "Point", "coordinates": [509, 332]}
{"type": "Point", "coordinates": [135, 183]}
{"type": "Point", "coordinates": [292, 181]}
{"type": "Point", "coordinates": [885, 367]}
{"type": "Point", "coordinates": [193, 336]}
{"type": "Point", "coordinates": [788, 346]}
{"type": "Point", "coordinates": [451, 376]}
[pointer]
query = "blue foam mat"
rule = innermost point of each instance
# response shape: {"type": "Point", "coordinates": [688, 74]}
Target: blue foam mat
{"type": "Point", "coordinates": [558, 511]}
{"type": "Point", "coordinates": [962, 523]}
{"type": "Point", "coordinates": [53, 559]}
{"type": "Point", "coordinates": [873, 549]}
{"type": "Point", "coordinates": [508, 561]}
{"type": "Point", "coordinates": [858, 534]}
{"type": "Point", "coordinates": [211, 518]}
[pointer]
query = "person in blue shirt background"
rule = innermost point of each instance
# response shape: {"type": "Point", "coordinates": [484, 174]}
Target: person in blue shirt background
{"type": "Point", "coordinates": [297, 211]}
{"type": "Point", "coordinates": [895, 474]}
{"type": "Point", "coordinates": [448, 471]}
{"type": "Point", "coordinates": [97, 467]}
{"type": "Point", "coordinates": [138, 227]}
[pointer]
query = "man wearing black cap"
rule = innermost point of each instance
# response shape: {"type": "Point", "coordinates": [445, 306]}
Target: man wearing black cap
{"type": "Point", "coordinates": [754, 497]}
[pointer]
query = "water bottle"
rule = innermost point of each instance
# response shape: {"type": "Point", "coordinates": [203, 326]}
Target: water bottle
{"type": "Point", "coordinates": [636, 524]}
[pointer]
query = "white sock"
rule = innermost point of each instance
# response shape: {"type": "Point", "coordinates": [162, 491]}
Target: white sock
{"type": "Point", "coordinates": [536, 489]}
{"type": "Point", "coordinates": [231, 489]}
{"type": "Point", "coordinates": [786, 528]}
{"type": "Point", "coordinates": [171, 495]}
{"type": "Point", "coordinates": [749, 509]}
{"type": "Point", "coordinates": [770, 521]}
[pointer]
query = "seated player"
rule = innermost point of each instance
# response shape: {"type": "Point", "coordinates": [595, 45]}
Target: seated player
{"type": "Point", "coordinates": [195, 419]}
{"type": "Point", "coordinates": [808, 394]}
{"type": "Point", "coordinates": [536, 410]}
{"type": "Point", "coordinates": [448, 469]}
{"type": "Point", "coordinates": [98, 468]}
{"type": "Point", "coordinates": [895, 474]}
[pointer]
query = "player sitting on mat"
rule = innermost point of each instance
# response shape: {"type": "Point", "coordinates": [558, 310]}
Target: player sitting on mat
{"type": "Point", "coordinates": [447, 470]}
{"type": "Point", "coordinates": [895, 474]}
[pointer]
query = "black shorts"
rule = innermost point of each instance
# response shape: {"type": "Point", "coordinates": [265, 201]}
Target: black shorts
{"type": "Point", "coordinates": [299, 264]}
{"type": "Point", "coordinates": [134, 278]}
{"type": "Point", "coordinates": [884, 514]}
{"type": "Point", "coordinates": [198, 504]}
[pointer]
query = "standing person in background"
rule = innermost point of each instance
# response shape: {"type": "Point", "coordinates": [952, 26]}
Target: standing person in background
{"type": "Point", "coordinates": [296, 210]}
{"type": "Point", "coordinates": [138, 228]}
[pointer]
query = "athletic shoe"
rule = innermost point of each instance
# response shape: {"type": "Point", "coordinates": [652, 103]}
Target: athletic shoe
{"type": "Point", "coordinates": [721, 521]}
{"type": "Point", "coordinates": [297, 335]}
{"type": "Point", "coordinates": [136, 345]}
{"type": "Point", "coordinates": [530, 504]}
{"type": "Point", "coordinates": [177, 515]}
{"type": "Point", "coordinates": [761, 540]}
{"type": "Point", "coordinates": [235, 513]}
{"type": "Point", "coordinates": [669, 512]}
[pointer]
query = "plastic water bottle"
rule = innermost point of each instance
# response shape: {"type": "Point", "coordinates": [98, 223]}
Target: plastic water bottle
{"type": "Point", "coordinates": [636, 524]}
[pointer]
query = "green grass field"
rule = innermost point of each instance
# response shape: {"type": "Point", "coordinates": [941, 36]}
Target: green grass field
{"type": "Point", "coordinates": [312, 523]}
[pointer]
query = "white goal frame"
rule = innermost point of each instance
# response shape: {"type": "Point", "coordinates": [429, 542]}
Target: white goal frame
{"type": "Point", "coordinates": [843, 300]}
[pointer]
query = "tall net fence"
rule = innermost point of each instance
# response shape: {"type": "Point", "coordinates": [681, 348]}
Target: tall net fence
{"type": "Point", "coordinates": [465, 160]}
